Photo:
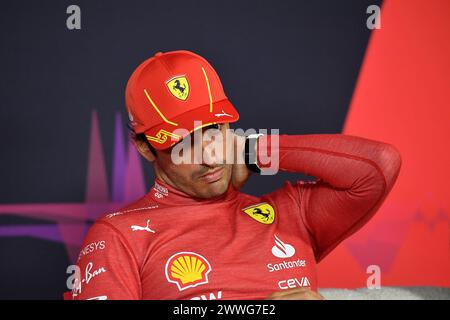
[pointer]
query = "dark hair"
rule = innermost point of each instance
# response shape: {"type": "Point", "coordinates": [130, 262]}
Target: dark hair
{"type": "Point", "coordinates": [140, 137]}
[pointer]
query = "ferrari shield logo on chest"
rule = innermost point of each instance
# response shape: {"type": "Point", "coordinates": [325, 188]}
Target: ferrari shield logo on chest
{"type": "Point", "coordinates": [178, 87]}
{"type": "Point", "coordinates": [261, 212]}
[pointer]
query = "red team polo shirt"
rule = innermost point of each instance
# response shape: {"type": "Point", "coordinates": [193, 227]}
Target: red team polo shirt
{"type": "Point", "coordinates": [168, 245]}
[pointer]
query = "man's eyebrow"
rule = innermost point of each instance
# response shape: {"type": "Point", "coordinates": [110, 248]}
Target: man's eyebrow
{"type": "Point", "coordinates": [215, 125]}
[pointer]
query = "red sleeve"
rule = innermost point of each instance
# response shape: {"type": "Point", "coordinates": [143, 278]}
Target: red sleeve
{"type": "Point", "coordinates": [107, 266]}
{"type": "Point", "coordinates": [354, 176]}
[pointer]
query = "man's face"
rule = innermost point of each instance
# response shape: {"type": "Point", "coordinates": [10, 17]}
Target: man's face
{"type": "Point", "coordinates": [210, 176]}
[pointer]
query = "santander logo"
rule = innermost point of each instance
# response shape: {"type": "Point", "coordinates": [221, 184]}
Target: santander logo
{"type": "Point", "coordinates": [282, 250]}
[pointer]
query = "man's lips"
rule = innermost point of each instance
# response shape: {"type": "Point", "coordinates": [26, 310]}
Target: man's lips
{"type": "Point", "coordinates": [214, 175]}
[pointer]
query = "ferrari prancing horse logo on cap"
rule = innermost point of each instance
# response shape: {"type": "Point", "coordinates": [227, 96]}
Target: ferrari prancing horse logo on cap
{"type": "Point", "coordinates": [178, 87]}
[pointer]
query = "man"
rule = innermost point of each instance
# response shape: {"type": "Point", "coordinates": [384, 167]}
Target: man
{"type": "Point", "coordinates": [194, 235]}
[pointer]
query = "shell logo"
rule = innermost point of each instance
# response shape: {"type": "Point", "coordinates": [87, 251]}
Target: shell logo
{"type": "Point", "coordinates": [187, 270]}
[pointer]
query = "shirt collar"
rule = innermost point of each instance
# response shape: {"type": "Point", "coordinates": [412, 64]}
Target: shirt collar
{"type": "Point", "coordinates": [163, 193]}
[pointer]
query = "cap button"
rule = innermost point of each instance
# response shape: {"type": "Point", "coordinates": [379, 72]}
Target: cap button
{"type": "Point", "coordinates": [158, 54]}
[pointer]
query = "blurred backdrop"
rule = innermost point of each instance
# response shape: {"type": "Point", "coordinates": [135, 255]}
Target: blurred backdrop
{"type": "Point", "coordinates": [298, 66]}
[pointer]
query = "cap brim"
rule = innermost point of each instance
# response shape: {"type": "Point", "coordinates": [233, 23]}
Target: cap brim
{"type": "Point", "coordinates": [166, 134]}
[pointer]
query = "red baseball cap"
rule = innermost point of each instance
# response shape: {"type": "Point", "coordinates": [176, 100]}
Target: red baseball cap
{"type": "Point", "coordinates": [171, 91]}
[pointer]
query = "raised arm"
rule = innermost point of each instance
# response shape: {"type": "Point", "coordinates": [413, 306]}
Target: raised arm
{"type": "Point", "coordinates": [354, 176]}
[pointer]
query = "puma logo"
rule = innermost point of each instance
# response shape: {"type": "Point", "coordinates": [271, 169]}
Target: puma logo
{"type": "Point", "coordinates": [223, 114]}
{"type": "Point", "coordinates": [146, 228]}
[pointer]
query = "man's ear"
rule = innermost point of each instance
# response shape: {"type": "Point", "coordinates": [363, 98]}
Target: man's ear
{"type": "Point", "coordinates": [143, 149]}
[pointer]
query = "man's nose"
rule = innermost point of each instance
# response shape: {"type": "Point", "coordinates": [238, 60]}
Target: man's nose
{"type": "Point", "coordinates": [212, 153]}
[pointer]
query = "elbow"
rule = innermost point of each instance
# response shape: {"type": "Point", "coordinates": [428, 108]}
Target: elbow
{"type": "Point", "coordinates": [390, 163]}
{"type": "Point", "coordinates": [392, 156]}
{"type": "Point", "coordinates": [385, 168]}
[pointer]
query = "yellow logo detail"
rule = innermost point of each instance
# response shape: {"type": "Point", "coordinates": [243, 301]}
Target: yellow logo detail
{"type": "Point", "coordinates": [261, 212]}
{"type": "Point", "coordinates": [187, 270]}
{"type": "Point", "coordinates": [162, 135]}
{"type": "Point", "coordinates": [179, 87]}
